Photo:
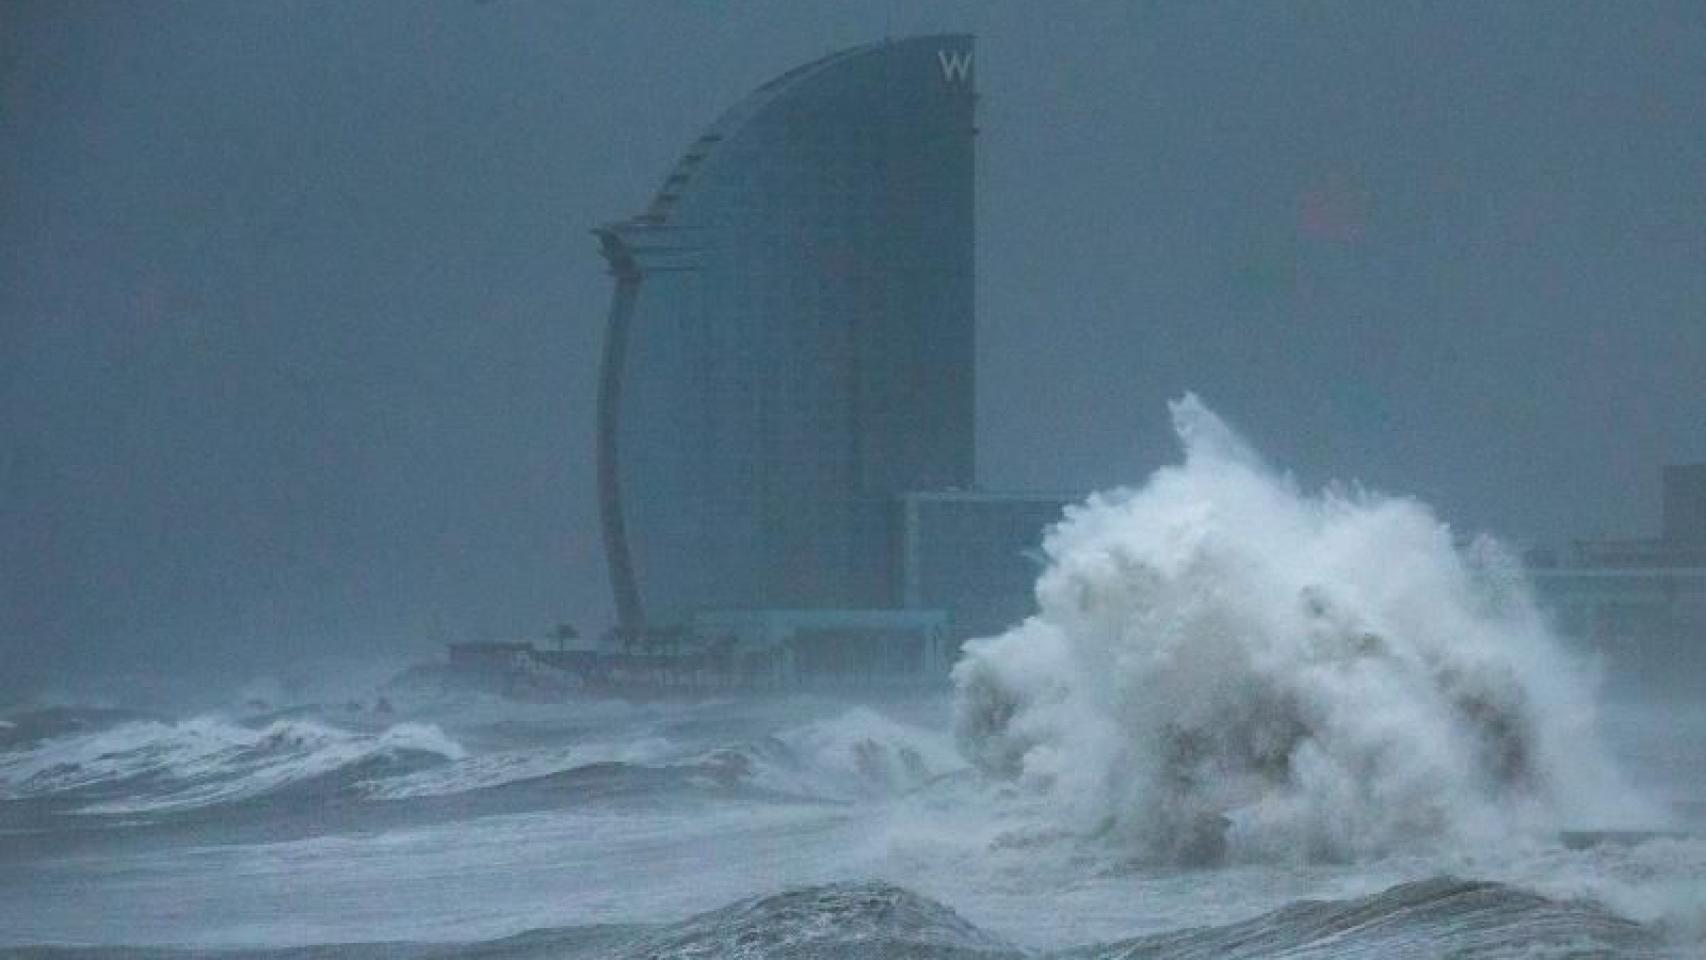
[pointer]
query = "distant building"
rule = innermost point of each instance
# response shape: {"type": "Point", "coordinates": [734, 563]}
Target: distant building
{"type": "Point", "coordinates": [974, 554]}
{"type": "Point", "coordinates": [790, 342]}
{"type": "Point", "coordinates": [1685, 509]}
{"type": "Point", "coordinates": [1641, 603]}
{"type": "Point", "coordinates": [1682, 541]}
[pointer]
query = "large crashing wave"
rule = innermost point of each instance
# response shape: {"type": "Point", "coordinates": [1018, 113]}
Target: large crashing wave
{"type": "Point", "coordinates": [1224, 666]}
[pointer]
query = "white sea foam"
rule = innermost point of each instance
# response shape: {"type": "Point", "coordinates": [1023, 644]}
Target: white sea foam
{"type": "Point", "coordinates": [485, 771]}
{"type": "Point", "coordinates": [1224, 665]}
{"type": "Point", "coordinates": [152, 766]}
{"type": "Point", "coordinates": [859, 753]}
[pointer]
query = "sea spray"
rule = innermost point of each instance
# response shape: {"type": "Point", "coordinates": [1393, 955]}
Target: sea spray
{"type": "Point", "coordinates": [1223, 666]}
{"type": "Point", "coordinates": [859, 753]}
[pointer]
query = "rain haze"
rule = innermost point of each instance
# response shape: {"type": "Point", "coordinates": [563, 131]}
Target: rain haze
{"type": "Point", "coordinates": [302, 317]}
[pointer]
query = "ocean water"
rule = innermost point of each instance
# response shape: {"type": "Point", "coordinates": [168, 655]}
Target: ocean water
{"type": "Point", "coordinates": [1246, 721]}
{"type": "Point", "coordinates": [719, 829]}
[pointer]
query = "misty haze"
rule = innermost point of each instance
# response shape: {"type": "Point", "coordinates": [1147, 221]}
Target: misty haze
{"type": "Point", "coordinates": [973, 480]}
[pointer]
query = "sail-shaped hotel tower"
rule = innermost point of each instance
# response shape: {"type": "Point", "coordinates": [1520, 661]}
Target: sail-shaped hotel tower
{"type": "Point", "coordinates": [790, 344]}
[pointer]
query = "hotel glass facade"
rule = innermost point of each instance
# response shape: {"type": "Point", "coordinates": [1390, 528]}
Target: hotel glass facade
{"type": "Point", "coordinates": [790, 343]}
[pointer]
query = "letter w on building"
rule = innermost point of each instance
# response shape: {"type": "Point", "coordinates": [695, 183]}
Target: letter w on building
{"type": "Point", "coordinates": [956, 64]}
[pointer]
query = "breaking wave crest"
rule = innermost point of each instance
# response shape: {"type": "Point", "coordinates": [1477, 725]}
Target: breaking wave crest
{"type": "Point", "coordinates": [857, 754]}
{"type": "Point", "coordinates": [506, 767]}
{"type": "Point", "coordinates": [123, 765]}
{"type": "Point", "coordinates": [155, 766]}
{"type": "Point", "coordinates": [1224, 666]}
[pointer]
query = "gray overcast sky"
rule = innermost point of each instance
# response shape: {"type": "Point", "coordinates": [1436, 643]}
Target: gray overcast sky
{"type": "Point", "coordinates": [300, 317]}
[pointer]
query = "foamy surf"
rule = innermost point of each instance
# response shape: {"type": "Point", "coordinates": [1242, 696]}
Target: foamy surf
{"type": "Point", "coordinates": [161, 767]}
{"type": "Point", "coordinates": [858, 754]}
{"type": "Point", "coordinates": [155, 766]}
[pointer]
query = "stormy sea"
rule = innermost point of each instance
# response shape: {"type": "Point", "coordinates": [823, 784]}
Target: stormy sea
{"type": "Point", "coordinates": [1245, 720]}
